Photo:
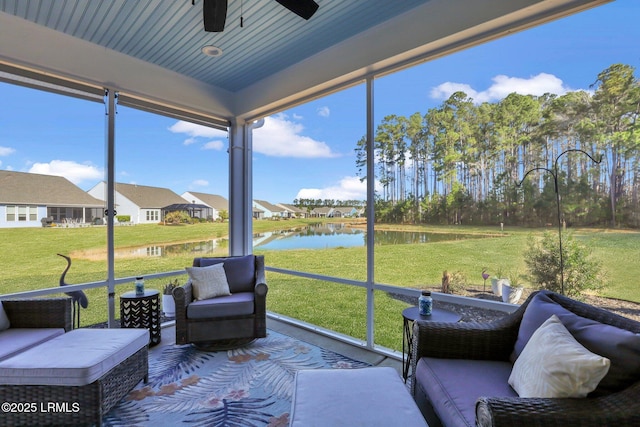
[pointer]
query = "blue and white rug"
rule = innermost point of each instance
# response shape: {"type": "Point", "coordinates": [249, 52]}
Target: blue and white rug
{"type": "Point", "coordinates": [250, 386]}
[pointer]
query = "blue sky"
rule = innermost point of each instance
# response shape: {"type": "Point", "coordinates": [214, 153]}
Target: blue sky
{"type": "Point", "coordinates": [307, 151]}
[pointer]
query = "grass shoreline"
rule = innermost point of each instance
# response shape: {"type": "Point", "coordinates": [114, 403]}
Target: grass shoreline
{"type": "Point", "coordinates": [29, 261]}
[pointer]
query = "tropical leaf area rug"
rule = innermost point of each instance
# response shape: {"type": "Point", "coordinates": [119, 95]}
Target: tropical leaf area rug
{"type": "Point", "coordinates": [249, 386]}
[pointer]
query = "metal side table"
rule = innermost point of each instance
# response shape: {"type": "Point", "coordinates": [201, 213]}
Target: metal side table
{"type": "Point", "coordinates": [409, 316]}
{"type": "Point", "coordinates": [142, 311]}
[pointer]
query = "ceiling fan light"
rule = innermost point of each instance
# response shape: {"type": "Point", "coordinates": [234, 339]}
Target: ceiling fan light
{"type": "Point", "coordinates": [212, 51]}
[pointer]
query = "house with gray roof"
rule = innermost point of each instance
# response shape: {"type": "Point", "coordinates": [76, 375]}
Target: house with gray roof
{"type": "Point", "coordinates": [34, 200]}
{"type": "Point", "coordinates": [270, 210]}
{"type": "Point", "coordinates": [292, 211]}
{"type": "Point", "coordinates": [215, 202]}
{"type": "Point", "coordinates": [142, 203]}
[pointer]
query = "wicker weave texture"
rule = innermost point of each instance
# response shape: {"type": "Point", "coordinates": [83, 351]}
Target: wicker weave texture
{"type": "Point", "coordinates": [76, 405]}
{"type": "Point", "coordinates": [39, 312]}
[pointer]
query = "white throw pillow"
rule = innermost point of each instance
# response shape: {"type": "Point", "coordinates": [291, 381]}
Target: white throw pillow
{"type": "Point", "coordinates": [208, 282]}
{"type": "Point", "coordinates": [554, 364]}
{"type": "Point", "coordinates": [4, 320]}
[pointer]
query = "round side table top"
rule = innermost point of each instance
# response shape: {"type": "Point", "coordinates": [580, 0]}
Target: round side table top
{"type": "Point", "coordinates": [133, 295]}
{"type": "Point", "coordinates": [437, 315]}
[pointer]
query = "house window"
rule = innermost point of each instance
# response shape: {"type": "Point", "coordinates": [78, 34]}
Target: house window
{"type": "Point", "coordinates": [22, 213]}
{"type": "Point", "coordinates": [11, 213]}
{"type": "Point", "coordinates": [153, 216]}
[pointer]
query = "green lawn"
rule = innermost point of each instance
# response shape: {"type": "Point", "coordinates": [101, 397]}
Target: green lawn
{"type": "Point", "coordinates": [29, 261]}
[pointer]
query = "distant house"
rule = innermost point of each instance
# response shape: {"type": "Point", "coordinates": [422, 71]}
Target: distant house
{"type": "Point", "coordinates": [292, 211]}
{"type": "Point", "coordinates": [215, 202]}
{"type": "Point", "coordinates": [270, 210]}
{"type": "Point", "coordinates": [321, 212]}
{"type": "Point", "coordinates": [143, 204]}
{"type": "Point", "coordinates": [344, 212]}
{"type": "Point", "coordinates": [34, 200]}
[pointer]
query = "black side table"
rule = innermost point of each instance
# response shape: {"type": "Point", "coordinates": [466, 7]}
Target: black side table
{"type": "Point", "coordinates": [142, 311]}
{"type": "Point", "coordinates": [409, 316]}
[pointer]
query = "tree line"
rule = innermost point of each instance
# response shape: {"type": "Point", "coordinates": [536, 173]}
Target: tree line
{"type": "Point", "coordinates": [489, 163]}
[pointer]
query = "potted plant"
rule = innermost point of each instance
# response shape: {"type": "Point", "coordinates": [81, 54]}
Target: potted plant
{"type": "Point", "coordinates": [496, 282]}
{"type": "Point", "coordinates": [168, 303]}
{"type": "Point", "coordinates": [511, 289]}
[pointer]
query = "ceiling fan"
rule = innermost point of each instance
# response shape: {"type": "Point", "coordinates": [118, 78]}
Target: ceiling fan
{"type": "Point", "coordinates": [214, 12]}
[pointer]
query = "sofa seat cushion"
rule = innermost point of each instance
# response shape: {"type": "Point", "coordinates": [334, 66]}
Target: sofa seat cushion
{"type": "Point", "coordinates": [76, 358]}
{"type": "Point", "coordinates": [238, 304]}
{"type": "Point", "coordinates": [17, 340]}
{"type": "Point", "coordinates": [454, 385]}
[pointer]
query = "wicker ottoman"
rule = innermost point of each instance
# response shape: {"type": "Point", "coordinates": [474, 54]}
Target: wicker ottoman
{"type": "Point", "coordinates": [353, 397]}
{"type": "Point", "coordinates": [74, 378]}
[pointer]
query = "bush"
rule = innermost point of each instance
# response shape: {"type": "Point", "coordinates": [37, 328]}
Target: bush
{"type": "Point", "coordinates": [177, 217]}
{"type": "Point", "coordinates": [123, 218]}
{"type": "Point", "coordinates": [543, 264]}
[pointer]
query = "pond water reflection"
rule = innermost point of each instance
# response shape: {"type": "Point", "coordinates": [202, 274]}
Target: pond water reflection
{"type": "Point", "coordinates": [318, 236]}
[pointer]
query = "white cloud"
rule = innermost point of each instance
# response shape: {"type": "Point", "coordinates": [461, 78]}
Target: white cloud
{"type": "Point", "coordinates": [213, 145]}
{"type": "Point", "coordinates": [503, 86]}
{"type": "Point", "coordinates": [281, 137]}
{"type": "Point", "coordinates": [348, 188]}
{"type": "Point", "coordinates": [297, 116]}
{"type": "Point", "coordinates": [74, 172]}
{"type": "Point", "coordinates": [323, 111]}
{"type": "Point", "coordinates": [195, 131]}
{"type": "Point", "coordinates": [5, 151]}
{"type": "Point", "coordinates": [200, 183]}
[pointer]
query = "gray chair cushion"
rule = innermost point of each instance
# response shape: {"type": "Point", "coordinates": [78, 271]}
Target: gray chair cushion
{"type": "Point", "coordinates": [620, 346]}
{"type": "Point", "coordinates": [238, 304]}
{"type": "Point", "coordinates": [454, 385]}
{"type": "Point", "coordinates": [241, 271]}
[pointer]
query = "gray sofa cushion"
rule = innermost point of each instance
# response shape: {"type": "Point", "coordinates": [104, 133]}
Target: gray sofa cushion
{"type": "Point", "coordinates": [241, 271]}
{"type": "Point", "coordinates": [17, 340]}
{"type": "Point", "coordinates": [620, 346]}
{"type": "Point", "coordinates": [454, 385]}
{"type": "Point", "coordinates": [76, 358]}
{"type": "Point", "coordinates": [238, 304]}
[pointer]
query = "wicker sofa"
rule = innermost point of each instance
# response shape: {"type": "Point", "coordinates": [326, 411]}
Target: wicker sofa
{"type": "Point", "coordinates": [460, 371]}
{"type": "Point", "coordinates": [32, 322]}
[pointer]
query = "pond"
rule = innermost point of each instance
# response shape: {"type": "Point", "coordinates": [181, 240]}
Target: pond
{"type": "Point", "coordinates": [319, 236]}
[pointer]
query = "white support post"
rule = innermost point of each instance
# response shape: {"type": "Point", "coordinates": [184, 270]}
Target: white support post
{"type": "Point", "coordinates": [240, 190]}
{"type": "Point", "coordinates": [371, 180]}
{"type": "Point", "coordinates": [110, 197]}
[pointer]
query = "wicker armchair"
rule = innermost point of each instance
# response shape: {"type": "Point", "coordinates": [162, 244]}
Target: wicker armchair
{"type": "Point", "coordinates": [39, 313]}
{"type": "Point", "coordinates": [495, 341]}
{"type": "Point", "coordinates": [221, 329]}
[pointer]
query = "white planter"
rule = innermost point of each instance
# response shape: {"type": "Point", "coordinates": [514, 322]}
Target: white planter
{"type": "Point", "coordinates": [496, 286]}
{"type": "Point", "coordinates": [511, 294]}
{"type": "Point", "coordinates": [168, 305]}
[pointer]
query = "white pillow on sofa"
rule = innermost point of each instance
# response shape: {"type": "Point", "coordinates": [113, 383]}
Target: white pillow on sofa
{"type": "Point", "coordinates": [4, 319]}
{"type": "Point", "coordinates": [208, 282]}
{"type": "Point", "coordinates": [554, 364]}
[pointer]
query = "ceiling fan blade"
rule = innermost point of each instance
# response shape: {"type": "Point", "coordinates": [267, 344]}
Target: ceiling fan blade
{"type": "Point", "coordinates": [303, 8]}
{"type": "Point", "coordinates": [214, 13]}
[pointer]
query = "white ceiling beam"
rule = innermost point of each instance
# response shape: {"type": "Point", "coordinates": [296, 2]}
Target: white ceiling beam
{"type": "Point", "coordinates": [46, 51]}
{"type": "Point", "coordinates": [437, 28]}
